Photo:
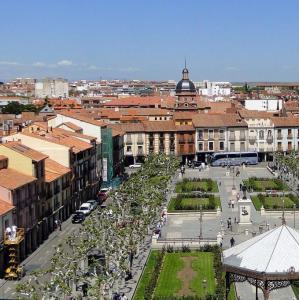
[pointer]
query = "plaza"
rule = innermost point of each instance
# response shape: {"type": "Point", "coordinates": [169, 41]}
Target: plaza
{"type": "Point", "coordinates": [184, 228]}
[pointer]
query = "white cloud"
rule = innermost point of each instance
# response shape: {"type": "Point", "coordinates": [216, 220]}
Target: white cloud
{"type": "Point", "coordinates": [39, 64]}
{"type": "Point", "coordinates": [92, 68]}
{"type": "Point", "coordinates": [9, 63]}
{"type": "Point", "coordinates": [64, 62]}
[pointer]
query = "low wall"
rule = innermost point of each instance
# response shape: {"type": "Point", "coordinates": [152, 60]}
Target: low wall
{"type": "Point", "coordinates": [192, 243]}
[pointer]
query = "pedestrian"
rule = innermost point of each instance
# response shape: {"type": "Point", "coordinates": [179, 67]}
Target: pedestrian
{"type": "Point", "coordinates": [232, 242]}
{"type": "Point", "coordinates": [241, 186]}
{"type": "Point", "coordinates": [219, 183]}
{"type": "Point", "coordinates": [123, 297]}
{"type": "Point", "coordinates": [235, 220]}
{"type": "Point", "coordinates": [84, 289]}
{"type": "Point", "coordinates": [228, 223]}
{"type": "Point", "coordinates": [233, 203]}
{"type": "Point", "coordinates": [229, 203]}
{"type": "Point", "coordinates": [56, 224]}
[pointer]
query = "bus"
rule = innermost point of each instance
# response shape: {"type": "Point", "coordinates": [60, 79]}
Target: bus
{"type": "Point", "coordinates": [233, 159]}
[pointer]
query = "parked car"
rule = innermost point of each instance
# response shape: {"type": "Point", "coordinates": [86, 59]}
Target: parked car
{"type": "Point", "coordinates": [103, 194]}
{"type": "Point", "coordinates": [93, 203]}
{"type": "Point", "coordinates": [135, 166]}
{"type": "Point", "coordinates": [85, 208]}
{"type": "Point", "coordinates": [78, 217]}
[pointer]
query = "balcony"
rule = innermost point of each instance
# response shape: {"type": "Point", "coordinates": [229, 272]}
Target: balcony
{"type": "Point", "coordinates": [232, 137]}
{"type": "Point", "coordinates": [279, 136]}
{"type": "Point", "coordinates": [261, 150]}
{"type": "Point", "coordinates": [242, 137]}
{"type": "Point", "coordinates": [139, 142]}
{"type": "Point", "coordinates": [181, 141]}
{"type": "Point", "coordinates": [172, 137]}
{"type": "Point", "coordinates": [191, 141]}
{"type": "Point", "coordinates": [172, 147]}
{"type": "Point", "coordinates": [211, 137]}
{"type": "Point", "coordinates": [290, 136]}
{"type": "Point", "coordinates": [129, 142]}
{"type": "Point", "coordinates": [221, 137]}
{"type": "Point", "coordinates": [269, 139]}
{"type": "Point", "coordinates": [200, 137]}
{"type": "Point", "coordinates": [140, 152]}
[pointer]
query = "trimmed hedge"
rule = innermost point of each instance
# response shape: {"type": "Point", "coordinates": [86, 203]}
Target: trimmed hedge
{"type": "Point", "coordinates": [196, 184]}
{"type": "Point", "coordinates": [267, 184]}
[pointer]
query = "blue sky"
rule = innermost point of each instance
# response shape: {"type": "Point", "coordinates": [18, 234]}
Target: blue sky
{"type": "Point", "coordinates": [233, 40]}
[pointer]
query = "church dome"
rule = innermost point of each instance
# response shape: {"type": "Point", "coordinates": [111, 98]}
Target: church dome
{"type": "Point", "coordinates": [185, 85]}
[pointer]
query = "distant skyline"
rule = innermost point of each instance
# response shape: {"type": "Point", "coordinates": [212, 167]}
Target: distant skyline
{"type": "Point", "coordinates": [232, 40]}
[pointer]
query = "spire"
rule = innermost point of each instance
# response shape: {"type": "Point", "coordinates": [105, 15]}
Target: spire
{"type": "Point", "coordinates": [185, 64]}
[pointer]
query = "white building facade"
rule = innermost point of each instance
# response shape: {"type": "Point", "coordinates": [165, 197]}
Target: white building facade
{"type": "Point", "coordinates": [52, 88]}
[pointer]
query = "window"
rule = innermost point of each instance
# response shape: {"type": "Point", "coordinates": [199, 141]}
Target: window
{"type": "Point", "coordinates": [279, 146]}
{"type": "Point", "coordinates": [232, 146]}
{"type": "Point", "coordinates": [161, 135]}
{"type": "Point", "coordinates": [269, 134]}
{"type": "Point", "coordinates": [290, 146]}
{"type": "Point", "coordinates": [211, 146]}
{"type": "Point", "coordinates": [221, 146]}
{"type": "Point", "coordinates": [200, 146]}
{"type": "Point", "coordinates": [211, 133]}
{"type": "Point", "coordinates": [129, 148]}
{"type": "Point", "coordinates": [261, 134]}
{"type": "Point", "coordinates": [289, 132]}
{"type": "Point", "coordinates": [200, 134]}
{"type": "Point", "coordinates": [242, 146]}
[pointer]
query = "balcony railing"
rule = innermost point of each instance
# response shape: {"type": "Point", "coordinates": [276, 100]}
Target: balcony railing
{"type": "Point", "coordinates": [232, 137]}
{"type": "Point", "coordinates": [129, 142]}
{"type": "Point", "coordinates": [200, 137]}
{"type": "Point", "coordinates": [242, 138]}
{"type": "Point", "coordinates": [290, 136]}
{"type": "Point", "coordinates": [139, 142]}
{"type": "Point", "coordinates": [279, 136]}
{"type": "Point", "coordinates": [190, 141]}
{"type": "Point", "coordinates": [181, 141]}
{"type": "Point", "coordinates": [221, 137]}
{"type": "Point", "coordinates": [211, 136]}
{"type": "Point", "coordinates": [172, 137]}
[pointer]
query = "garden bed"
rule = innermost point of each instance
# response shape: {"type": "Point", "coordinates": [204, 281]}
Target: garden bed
{"type": "Point", "coordinates": [265, 184]}
{"type": "Point", "coordinates": [192, 202]}
{"type": "Point", "coordinates": [183, 275]}
{"type": "Point", "coordinates": [196, 184]}
{"type": "Point", "coordinates": [275, 202]}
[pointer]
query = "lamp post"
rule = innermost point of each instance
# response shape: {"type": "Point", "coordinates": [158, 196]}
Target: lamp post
{"type": "Point", "coordinates": [200, 222]}
{"type": "Point", "coordinates": [294, 206]}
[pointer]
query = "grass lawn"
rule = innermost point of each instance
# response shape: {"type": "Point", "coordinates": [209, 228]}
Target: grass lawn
{"type": "Point", "coordinates": [232, 292]}
{"type": "Point", "coordinates": [139, 295]}
{"type": "Point", "coordinates": [296, 289]}
{"type": "Point", "coordinates": [261, 185]}
{"type": "Point", "coordinates": [207, 185]}
{"type": "Point", "coordinates": [171, 277]}
{"type": "Point", "coordinates": [192, 204]}
{"type": "Point", "coordinates": [272, 202]}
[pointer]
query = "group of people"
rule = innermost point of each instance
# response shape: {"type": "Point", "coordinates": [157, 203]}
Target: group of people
{"type": "Point", "coordinates": [11, 232]}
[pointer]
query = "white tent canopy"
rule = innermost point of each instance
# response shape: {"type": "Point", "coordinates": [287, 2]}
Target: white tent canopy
{"type": "Point", "coordinates": [275, 251]}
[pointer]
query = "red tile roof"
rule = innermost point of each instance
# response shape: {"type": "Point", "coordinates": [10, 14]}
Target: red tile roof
{"type": "Point", "coordinates": [5, 207]}
{"type": "Point", "coordinates": [54, 170]}
{"type": "Point", "coordinates": [12, 179]}
{"type": "Point", "coordinates": [218, 120]}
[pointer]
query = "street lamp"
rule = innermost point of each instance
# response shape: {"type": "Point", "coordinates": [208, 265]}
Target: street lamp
{"type": "Point", "coordinates": [294, 206]}
{"type": "Point", "coordinates": [200, 222]}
